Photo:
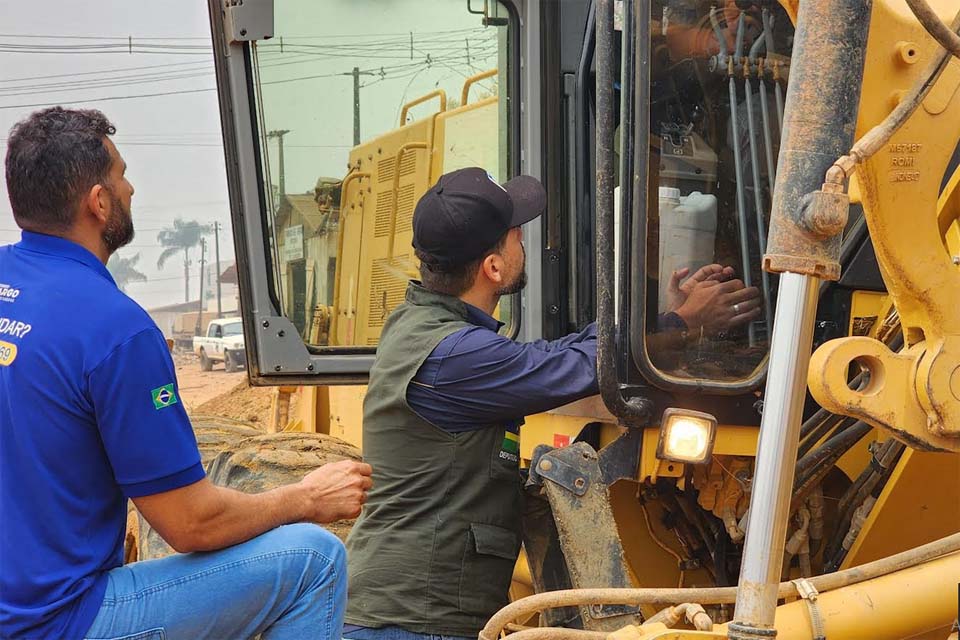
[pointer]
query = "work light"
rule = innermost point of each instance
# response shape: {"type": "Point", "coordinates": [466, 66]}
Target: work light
{"type": "Point", "coordinates": [686, 436]}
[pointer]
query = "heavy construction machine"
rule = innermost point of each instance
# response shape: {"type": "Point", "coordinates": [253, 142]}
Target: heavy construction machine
{"type": "Point", "coordinates": [810, 146]}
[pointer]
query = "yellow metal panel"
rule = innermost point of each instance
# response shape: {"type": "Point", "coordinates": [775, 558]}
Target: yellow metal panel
{"type": "Point", "coordinates": [919, 504]}
{"type": "Point", "coordinates": [867, 310]}
{"type": "Point", "coordinates": [313, 410]}
{"type": "Point", "coordinates": [467, 137]}
{"type": "Point", "coordinates": [649, 565]}
{"type": "Point", "coordinates": [736, 440]}
{"type": "Point", "coordinates": [337, 411]}
{"type": "Point", "coordinates": [913, 394]}
{"type": "Point", "coordinates": [556, 431]}
{"type": "Point", "coordinates": [379, 283]}
{"type": "Point", "coordinates": [346, 413]}
{"type": "Point", "coordinates": [949, 207]}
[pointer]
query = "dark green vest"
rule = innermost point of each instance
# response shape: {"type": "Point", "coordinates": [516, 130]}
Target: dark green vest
{"type": "Point", "coordinates": [434, 549]}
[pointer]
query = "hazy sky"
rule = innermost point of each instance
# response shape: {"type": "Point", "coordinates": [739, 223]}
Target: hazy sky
{"type": "Point", "coordinates": [53, 52]}
{"type": "Point", "coordinates": [172, 143]}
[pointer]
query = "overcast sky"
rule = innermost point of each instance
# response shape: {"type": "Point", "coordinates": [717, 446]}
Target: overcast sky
{"type": "Point", "coordinates": [52, 52]}
{"type": "Point", "coordinates": [172, 144]}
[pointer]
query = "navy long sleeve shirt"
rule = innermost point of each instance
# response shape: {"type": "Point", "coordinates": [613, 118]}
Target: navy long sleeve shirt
{"type": "Point", "coordinates": [476, 377]}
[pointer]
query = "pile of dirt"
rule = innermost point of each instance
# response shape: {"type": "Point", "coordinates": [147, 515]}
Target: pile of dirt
{"type": "Point", "coordinates": [244, 403]}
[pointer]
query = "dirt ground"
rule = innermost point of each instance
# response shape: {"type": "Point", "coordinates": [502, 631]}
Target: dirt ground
{"type": "Point", "coordinates": [198, 387]}
{"type": "Point", "coordinates": [218, 393]}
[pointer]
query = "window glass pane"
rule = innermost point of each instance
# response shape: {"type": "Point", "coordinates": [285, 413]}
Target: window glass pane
{"type": "Point", "coordinates": [714, 140]}
{"type": "Point", "coordinates": [360, 109]}
{"type": "Point", "coordinates": [232, 329]}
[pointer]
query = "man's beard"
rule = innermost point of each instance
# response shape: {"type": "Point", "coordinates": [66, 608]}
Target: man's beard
{"type": "Point", "coordinates": [516, 286]}
{"type": "Point", "coordinates": [520, 281]}
{"type": "Point", "coordinates": [119, 229]}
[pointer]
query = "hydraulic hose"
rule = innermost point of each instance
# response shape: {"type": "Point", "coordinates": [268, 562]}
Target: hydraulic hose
{"type": "Point", "coordinates": [716, 595]}
{"type": "Point", "coordinates": [935, 27]}
{"type": "Point", "coordinates": [877, 137]}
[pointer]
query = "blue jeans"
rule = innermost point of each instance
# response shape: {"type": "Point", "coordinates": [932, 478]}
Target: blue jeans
{"type": "Point", "coordinates": [396, 633]}
{"type": "Point", "coordinates": [289, 583]}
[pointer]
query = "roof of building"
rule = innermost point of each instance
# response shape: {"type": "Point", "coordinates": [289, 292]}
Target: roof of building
{"type": "Point", "coordinates": [180, 306]}
{"type": "Point", "coordinates": [229, 275]}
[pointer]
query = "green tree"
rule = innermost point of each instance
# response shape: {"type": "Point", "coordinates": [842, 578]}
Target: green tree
{"type": "Point", "coordinates": [182, 236]}
{"type": "Point", "coordinates": [124, 270]}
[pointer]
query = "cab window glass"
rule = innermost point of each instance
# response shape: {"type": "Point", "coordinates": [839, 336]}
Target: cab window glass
{"type": "Point", "coordinates": [361, 107]}
{"type": "Point", "coordinates": [718, 77]}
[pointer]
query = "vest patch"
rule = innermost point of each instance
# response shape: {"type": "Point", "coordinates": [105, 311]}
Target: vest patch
{"type": "Point", "coordinates": [510, 447]}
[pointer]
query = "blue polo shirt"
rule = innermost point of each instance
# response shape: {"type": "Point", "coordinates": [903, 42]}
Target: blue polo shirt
{"type": "Point", "coordinates": [90, 415]}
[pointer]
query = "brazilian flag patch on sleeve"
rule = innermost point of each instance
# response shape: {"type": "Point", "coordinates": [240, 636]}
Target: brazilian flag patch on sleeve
{"type": "Point", "coordinates": [163, 396]}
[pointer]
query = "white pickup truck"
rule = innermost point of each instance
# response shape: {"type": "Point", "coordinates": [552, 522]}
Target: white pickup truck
{"type": "Point", "coordinates": [223, 342]}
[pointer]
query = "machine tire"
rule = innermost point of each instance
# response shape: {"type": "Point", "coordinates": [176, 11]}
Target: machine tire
{"type": "Point", "coordinates": [253, 464]}
{"type": "Point", "coordinates": [206, 364]}
{"type": "Point", "coordinates": [214, 434]}
{"type": "Point", "coordinates": [228, 364]}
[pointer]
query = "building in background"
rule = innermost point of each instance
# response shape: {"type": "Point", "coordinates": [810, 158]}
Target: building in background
{"type": "Point", "coordinates": [307, 229]}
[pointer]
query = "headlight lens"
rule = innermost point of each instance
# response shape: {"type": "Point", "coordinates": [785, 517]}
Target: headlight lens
{"type": "Point", "coordinates": [686, 436]}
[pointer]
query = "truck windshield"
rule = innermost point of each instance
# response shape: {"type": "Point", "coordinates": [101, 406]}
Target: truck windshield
{"type": "Point", "coordinates": [717, 81]}
{"type": "Point", "coordinates": [232, 329]}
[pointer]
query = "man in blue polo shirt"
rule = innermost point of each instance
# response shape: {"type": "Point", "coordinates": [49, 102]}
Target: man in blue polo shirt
{"type": "Point", "coordinates": [90, 415]}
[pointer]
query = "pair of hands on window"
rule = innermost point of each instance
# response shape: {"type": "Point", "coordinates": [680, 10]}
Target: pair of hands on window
{"type": "Point", "coordinates": [712, 300]}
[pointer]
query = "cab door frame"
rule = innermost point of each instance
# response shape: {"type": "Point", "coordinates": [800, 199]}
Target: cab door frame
{"type": "Point", "coordinates": [276, 354]}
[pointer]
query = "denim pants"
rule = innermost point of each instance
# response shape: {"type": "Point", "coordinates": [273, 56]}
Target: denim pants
{"type": "Point", "coordinates": [289, 583]}
{"type": "Point", "coordinates": [396, 633]}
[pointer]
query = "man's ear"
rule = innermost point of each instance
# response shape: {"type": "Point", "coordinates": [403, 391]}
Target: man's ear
{"type": "Point", "coordinates": [97, 201]}
{"type": "Point", "coordinates": [492, 268]}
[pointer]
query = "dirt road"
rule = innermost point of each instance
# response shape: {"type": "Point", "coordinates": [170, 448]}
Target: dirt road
{"type": "Point", "coordinates": [198, 387]}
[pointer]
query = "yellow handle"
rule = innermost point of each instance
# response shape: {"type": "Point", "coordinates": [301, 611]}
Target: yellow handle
{"type": "Point", "coordinates": [409, 146]}
{"type": "Point", "coordinates": [353, 175]}
{"type": "Point", "coordinates": [470, 81]}
{"type": "Point", "coordinates": [439, 93]}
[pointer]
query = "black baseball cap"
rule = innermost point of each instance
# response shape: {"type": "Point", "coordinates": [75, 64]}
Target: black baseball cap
{"type": "Point", "coordinates": [467, 212]}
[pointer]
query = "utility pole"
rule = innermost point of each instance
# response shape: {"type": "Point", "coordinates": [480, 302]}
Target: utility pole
{"type": "Point", "coordinates": [278, 134]}
{"type": "Point", "coordinates": [186, 274]}
{"type": "Point", "coordinates": [356, 73]}
{"type": "Point", "coordinates": [203, 251]}
{"type": "Point", "coordinates": [216, 245]}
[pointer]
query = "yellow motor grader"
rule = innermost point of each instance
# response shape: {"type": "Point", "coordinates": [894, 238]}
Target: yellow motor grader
{"type": "Point", "coordinates": [793, 476]}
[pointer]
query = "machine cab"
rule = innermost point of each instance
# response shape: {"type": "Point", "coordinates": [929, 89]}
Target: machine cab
{"type": "Point", "coordinates": [335, 124]}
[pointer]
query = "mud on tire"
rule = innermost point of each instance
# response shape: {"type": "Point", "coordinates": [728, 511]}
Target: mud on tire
{"type": "Point", "coordinates": [241, 457]}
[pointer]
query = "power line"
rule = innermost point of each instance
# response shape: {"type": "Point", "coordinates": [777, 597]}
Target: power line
{"type": "Point", "coordinates": [114, 78]}
{"type": "Point", "coordinates": [207, 38]}
{"type": "Point", "coordinates": [108, 98]}
{"type": "Point", "coordinates": [78, 37]}
{"type": "Point", "coordinates": [424, 65]}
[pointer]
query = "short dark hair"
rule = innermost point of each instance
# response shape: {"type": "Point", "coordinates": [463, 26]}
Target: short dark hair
{"type": "Point", "coordinates": [452, 280]}
{"type": "Point", "coordinates": [55, 156]}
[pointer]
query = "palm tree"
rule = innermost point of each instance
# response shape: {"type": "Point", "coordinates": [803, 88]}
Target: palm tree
{"type": "Point", "coordinates": [124, 270]}
{"type": "Point", "coordinates": [182, 236]}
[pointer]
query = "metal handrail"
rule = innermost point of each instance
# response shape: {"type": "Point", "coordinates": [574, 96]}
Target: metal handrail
{"type": "Point", "coordinates": [439, 93]}
{"type": "Point", "coordinates": [394, 205]}
{"type": "Point", "coordinates": [469, 82]}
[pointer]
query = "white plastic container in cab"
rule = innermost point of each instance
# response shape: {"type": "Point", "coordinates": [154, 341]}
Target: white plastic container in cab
{"type": "Point", "coordinates": [688, 231]}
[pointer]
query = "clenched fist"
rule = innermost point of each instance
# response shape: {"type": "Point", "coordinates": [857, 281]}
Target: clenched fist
{"type": "Point", "coordinates": [336, 491]}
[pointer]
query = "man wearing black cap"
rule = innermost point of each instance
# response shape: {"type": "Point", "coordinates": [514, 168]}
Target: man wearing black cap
{"type": "Point", "coordinates": [433, 551]}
